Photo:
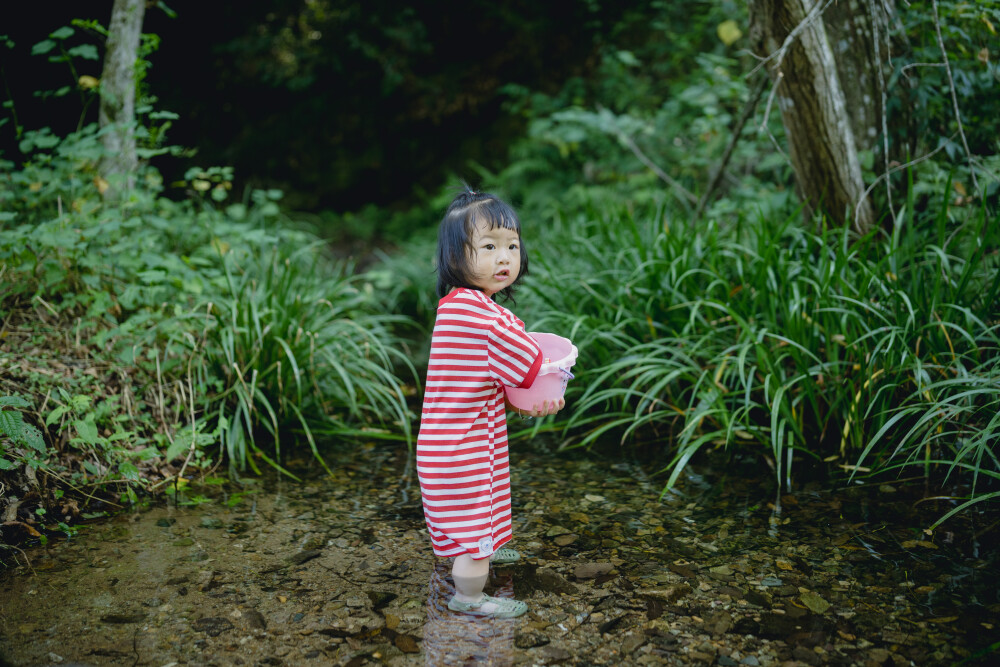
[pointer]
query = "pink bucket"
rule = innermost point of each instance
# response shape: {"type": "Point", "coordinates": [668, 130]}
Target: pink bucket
{"type": "Point", "coordinates": [558, 356]}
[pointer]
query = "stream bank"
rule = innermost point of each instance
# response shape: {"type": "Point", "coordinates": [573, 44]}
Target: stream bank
{"type": "Point", "coordinates": [340, 571]}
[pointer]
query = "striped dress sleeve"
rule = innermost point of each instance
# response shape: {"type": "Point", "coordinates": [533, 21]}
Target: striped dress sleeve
{"type": "Point", "coordinates": [514, 356]}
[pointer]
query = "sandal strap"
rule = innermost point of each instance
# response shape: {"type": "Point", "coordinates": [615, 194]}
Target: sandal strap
{"type": "Point", "coordinates": [505, 555]}
{"type": "Point", "coordinates": [505, 607]}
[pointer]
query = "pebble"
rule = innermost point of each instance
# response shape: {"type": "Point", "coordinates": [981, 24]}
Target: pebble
{"type": "Point", "coordinates": [591, 570]}
{"type": "Point", "coordinates": [530, 639]}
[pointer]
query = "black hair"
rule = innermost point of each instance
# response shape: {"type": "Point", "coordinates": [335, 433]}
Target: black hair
{"type": "Point", "coordinates": [455, 239]}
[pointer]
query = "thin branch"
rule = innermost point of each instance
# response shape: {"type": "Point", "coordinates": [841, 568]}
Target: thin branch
{"type": "Point", "coordinates": [664, 176]}
{"type": "Point", "coordinates": [857, 208]}
{"type": "Point", "coordinates": [902, 70]}
{"type": "Point", "coordinates": [884, 113]}
{"type": "Point", "coordinates": [954, 97]}
{"type": "Point", "coordinates": [734, 135]}
{"type": "Point", "coordinates": [779, 77]}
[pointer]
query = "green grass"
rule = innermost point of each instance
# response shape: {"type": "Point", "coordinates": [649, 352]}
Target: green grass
{"type": "Point", "coordinates": [199, 329]}
{"type": "Point", "coordinates": [878, 353]}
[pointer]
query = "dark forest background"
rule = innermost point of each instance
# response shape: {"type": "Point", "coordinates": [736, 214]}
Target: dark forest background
{"type": "Point", "coordinates": [339, 104]}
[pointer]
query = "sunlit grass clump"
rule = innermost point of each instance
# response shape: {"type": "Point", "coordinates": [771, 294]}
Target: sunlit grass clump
{"type": "Point", "coordinates": [869, 353]}
{"type": "Point", "coordinates": [199, 329]}
{"type": "Point", "coordinates": [300, 349]}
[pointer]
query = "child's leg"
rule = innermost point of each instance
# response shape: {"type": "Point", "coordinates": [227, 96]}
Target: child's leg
{"type": "Point", "coordinates": [470, 577]}
{"type": "Point", "coordinates": [470, 580]}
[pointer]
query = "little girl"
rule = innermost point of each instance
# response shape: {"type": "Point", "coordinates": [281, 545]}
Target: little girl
{"type": "Point", "coordinates": [477, 348]}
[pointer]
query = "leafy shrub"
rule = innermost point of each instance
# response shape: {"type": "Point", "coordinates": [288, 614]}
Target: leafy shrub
{"type": "Point", "coordinates": [764, 335]}
{"type": "Point", "coordinates": [229, 322]}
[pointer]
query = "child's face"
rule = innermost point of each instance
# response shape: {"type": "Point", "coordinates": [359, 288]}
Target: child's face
{"type": "Point", "coordinates": [496, 261]}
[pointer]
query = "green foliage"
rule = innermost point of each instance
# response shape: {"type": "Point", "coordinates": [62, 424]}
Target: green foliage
{"type": "Point", "coordinates": [162, 332]}
{"type": "Point", "coordinates": [294, 344]}
{"type": "Point", "coordinates": [762, 335]}
{"type": "Point", "coordinates": [19, 432]}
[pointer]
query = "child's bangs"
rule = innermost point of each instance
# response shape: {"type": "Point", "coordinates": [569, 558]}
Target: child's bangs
{"type": "Point", "coordinates": [497, 214]}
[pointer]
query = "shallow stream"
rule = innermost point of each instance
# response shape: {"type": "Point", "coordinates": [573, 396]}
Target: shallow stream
{"type": "Point", "coordinates": [339, 571]}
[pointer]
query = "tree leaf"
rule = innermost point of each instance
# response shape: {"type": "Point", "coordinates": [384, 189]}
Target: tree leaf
{"type": "Point", "coordinates": [13, 401]}
{"type": "Point", "coordinates": [85, 51]}
{"type": "Point", "coordinates": [12, 425]}
{"type": "Point", "coordinates": [56, 414]}
{"type": "Point", "coordinates": [729, 31]}
{"type": "Point", "coordinates": [176, 448]}
{"type": "Point", "coordinates": [62, 33]}
{"type": "Point", "coordinates": [43, 47]}
{"type": "Point", "coordinates": [87, 431]}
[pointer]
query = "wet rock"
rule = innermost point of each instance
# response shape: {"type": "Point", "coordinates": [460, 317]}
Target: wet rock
{"type": "Point", "coordinates": [213, 626]}
{"type": "Point", "coordinates": [758, 598]}
{"type": "Point", "coordinates": [610, 624]}
{"type": "Point", "coordinates": [406, 643]}
{"type": "Point", "coordinates": [814, 602]}
{"type": "Point", "coordinates": [718, 623]}
{"type": "Point", "coordinates": [553, 655]}
{"type": "Point", "coordinates": [380, 599]}
{"type": "Point", "coordinates": [166, 522]}
{"type": "Point", "coordinates": [776, 626]}
{"type": "Point", "coordinates": [631, 643]}
{"type": "Point", "coordinates": [878, 657]}
{"type": "Point", "coordinates": [312, 541]}
{"type": "Point", "coordinates": [211, 522]}
{"type": "Point", "coordinates": [731, 591]}
{"type": "Point", "coordinates": [750, 660]}
{"type": "Point", "coordinates": [682, 570]}
{"type": "Point", "coordinates": [206, 580]}
{"type": "Point", "coordinates": [530, 639]}
{"type": "Point", "coordinates": [669, 594]}
{"type": "Point", "coordinates": [555, 531]}
{"type": "Point", "coordinates": [253, 619]}
{"type": "Point", "coordinates": [121, 619]}
{"type": "Point", "coordinates": [183, 542]}
{"type": "Point", "coordinates": [802, 654]}
{"type": "Point", "coordinates": [592, 570]}
{"type": "Point", "coordinates": [303, 556]}
{"type": "Point", "coordinates": [531, 579]}
{"type": "Point", "coordinates": [794, 611]}
{"type": "Point", "coordinates": [565, 540]}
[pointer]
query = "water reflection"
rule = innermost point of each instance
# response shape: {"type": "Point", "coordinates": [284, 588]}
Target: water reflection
{"type": "Point", "coordinates": [451, 638]}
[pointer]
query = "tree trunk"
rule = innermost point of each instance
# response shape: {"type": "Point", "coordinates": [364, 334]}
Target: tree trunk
{"type": "Point", "coordinates": [814, 109]}
{"type": "Point", "coordinates": [117, 111]}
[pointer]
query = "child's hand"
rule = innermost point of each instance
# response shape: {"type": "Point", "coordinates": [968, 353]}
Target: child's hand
{"type": "Point", "coordinates": [546, 408]}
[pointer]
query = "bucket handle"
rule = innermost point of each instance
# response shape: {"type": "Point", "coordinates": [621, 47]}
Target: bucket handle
{"type": "Point", "coordinates": [570, 375]}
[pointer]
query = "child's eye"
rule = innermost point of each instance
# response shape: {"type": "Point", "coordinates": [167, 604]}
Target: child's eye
{"type": "Point", "coordinates": [513, 246]}
{"type": "Point", "coordinates": [489, 246]}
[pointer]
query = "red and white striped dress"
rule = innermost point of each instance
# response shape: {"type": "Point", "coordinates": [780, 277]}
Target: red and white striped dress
{"type": "Point", "coordinates": [477, 347]}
